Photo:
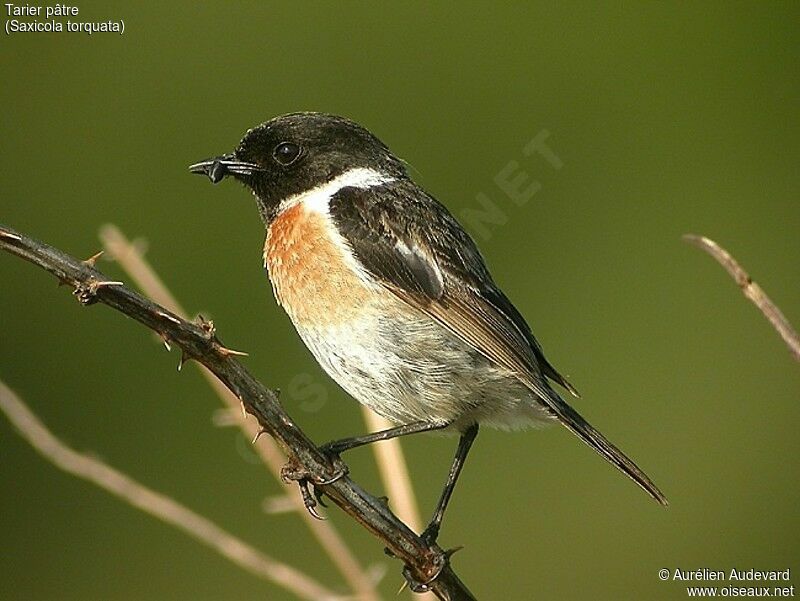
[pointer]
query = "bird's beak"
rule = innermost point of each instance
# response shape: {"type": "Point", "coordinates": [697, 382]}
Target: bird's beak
{"type": "Point", "coordinates": [218, 168]}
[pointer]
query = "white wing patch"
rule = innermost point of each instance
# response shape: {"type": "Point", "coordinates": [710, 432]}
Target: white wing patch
{"type": "Point", "coordinates": [424, 267]}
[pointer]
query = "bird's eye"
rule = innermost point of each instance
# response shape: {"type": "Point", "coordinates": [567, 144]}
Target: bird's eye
{"type": "Point", "coordinates": [286, 153]}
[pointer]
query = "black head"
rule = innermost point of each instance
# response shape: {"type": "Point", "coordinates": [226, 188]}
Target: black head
{"type": "Point", "coordinates": [294, 153]}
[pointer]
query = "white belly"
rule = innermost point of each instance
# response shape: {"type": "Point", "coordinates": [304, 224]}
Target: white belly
{"type": "Point", "coordinates": [411, 369]}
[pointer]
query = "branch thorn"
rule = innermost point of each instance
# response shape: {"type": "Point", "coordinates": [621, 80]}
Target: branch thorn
{"type": "Point", "coordinates": [91, 261]}
{"type": "Point", "coordinates": [184, 358]}
{"type": "Point", "coordinates": [9, 236]}
{"type": "Point", "coordinates": [258, 435]}
{"type": "Point", "coordinates": [87, 293]}
{"type": "Point", "coordinates": [207, 326]}
{"type": "Point", "coordinates": [227, 352]}
{"type": "Point", "coordinates": [96, 285]}
{"type": "Point", "coordinates": [165, 340]}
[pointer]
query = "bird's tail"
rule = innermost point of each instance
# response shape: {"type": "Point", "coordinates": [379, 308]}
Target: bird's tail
{"type": "Point", "coordinates": [584, 430]}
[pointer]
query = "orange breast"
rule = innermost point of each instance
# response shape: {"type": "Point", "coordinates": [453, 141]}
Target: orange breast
{"type": "Point", "coordinates": [311, 275]}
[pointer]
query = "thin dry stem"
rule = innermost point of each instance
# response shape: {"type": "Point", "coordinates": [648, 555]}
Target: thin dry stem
{"type": "Point", "coordinates": [156, 504]}
{"type": "Point", "coordinates": [751, 290]}
{"type": "Point", "coordinates": [130, 259]}
{"type": "Point", "coordinates": [394, 475]}
{"type": "Point", "coordinates": [394, 471]}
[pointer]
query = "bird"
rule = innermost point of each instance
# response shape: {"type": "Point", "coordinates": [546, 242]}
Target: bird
{"type": "Point", "coordinates": [392, 296]}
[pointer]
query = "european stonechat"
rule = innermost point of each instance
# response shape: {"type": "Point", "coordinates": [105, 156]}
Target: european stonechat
{"type": "Point", "coordinates": [391, 295]}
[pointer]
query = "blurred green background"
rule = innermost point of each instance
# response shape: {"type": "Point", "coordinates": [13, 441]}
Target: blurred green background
{"type": "Point", "coordinates": [668, 119]}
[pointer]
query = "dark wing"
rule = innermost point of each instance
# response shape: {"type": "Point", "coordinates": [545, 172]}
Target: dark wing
{"type": "Point", "coordinates": [416, 248]}
{"type": "Point", "coordinates": [500, 300]}
{"type": "Point", "coordinates": [412, 245]}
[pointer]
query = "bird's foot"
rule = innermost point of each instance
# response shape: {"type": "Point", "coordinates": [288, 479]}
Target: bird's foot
{"type": "Point", "coordinates": [339, 467]}
{"type": "Point", "coordinates": [294, 471]}
{"type": "Point", "coordinates": [421, 583]}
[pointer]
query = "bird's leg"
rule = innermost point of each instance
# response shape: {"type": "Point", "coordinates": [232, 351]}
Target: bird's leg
{"type": "Point", "coordinates": [430, 533]}
{"type": "Point", "coordinates": [293, 471]}
{"type": "Point", "coordinates": [334, 448]}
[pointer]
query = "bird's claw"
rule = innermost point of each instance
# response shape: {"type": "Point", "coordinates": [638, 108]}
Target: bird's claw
{"type": "Point", "coordinates": [293, 471]}
{"type": "Point", "coordinates": [340, 469]}
{"type": "Point", "coordinates": [441, 559]}
{"type": "Point", "coordinates": [318, 494]}
{"type": "Point", "coordinates": [309, 500]}
{"type": "Point", "coordinates": [434, 568]}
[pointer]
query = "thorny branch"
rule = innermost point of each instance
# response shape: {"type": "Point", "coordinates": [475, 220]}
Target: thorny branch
{"type": "Point", "coordinates": [426, 567]}
{"type": "Point", "coordinates": [751, 290]}
{"type": "Point", "coordinates": [130, 259]}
